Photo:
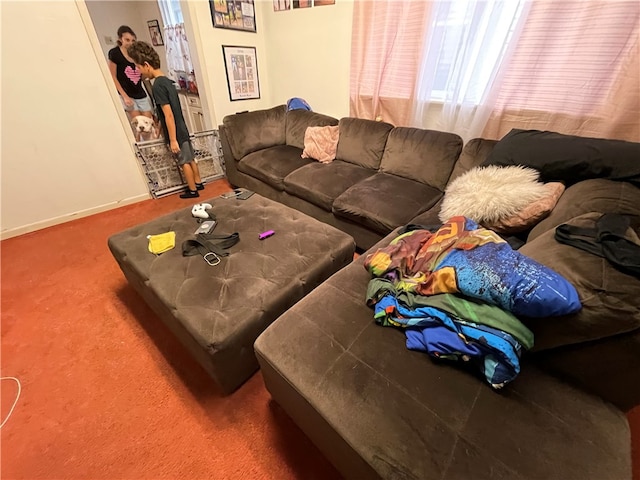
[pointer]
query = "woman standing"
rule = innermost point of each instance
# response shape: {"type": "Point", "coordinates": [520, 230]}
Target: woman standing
{"type": "Point", "coordinates": [127, 77]}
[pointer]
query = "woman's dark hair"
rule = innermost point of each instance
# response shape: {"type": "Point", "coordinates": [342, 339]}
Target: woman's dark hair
{"type": "Point", "coordinates": [122, 30]}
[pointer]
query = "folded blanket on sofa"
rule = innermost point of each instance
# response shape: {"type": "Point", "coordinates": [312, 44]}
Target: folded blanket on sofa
{"type": "Point", "coordinates": [447, 335]}
{"type": "Point", "coordinates": [456, 292]}
{"type": "Point", "coordinates": [462, 257]}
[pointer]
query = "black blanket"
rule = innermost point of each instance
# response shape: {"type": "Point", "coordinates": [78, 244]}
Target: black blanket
{"type": "Point", "coordinates": [568, 158]}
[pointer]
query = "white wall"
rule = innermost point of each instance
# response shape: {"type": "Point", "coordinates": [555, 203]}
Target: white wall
{"type": "Point", "coordinates": [309, 54]}
{"type": "Point", "coordinates": [66, 148]}
{"type": "Point", "coordinates": [207, 44]}
{"type": "Point", "coordinates": [301, 53]}
{"type": "Point", "coordinates": [65, 152]}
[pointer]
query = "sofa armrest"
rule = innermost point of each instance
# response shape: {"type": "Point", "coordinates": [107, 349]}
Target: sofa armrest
{"type": "Point", "coordinates": [230, 162]}
{"type": "Point", "coordinates": [252, 131]}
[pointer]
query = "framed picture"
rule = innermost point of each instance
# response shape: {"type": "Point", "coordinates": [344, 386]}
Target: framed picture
{"type": "Point", "coordinates": [155, 33]}
{"type": "Point", "coordinates": [280, 5]}
{"type": "Point", "coordinates": [233, 14]}
{"type": "Point", "coordinates": [241, 66]}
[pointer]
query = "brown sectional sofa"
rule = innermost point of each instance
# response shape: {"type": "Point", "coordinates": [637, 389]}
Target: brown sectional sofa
{"type": "Point", "coordinates": [379, 410]}
{"type": "Point", "coordinates": [382, 176]}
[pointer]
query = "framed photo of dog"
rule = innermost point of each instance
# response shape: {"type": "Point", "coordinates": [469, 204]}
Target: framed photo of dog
{"type": "Point", "coordinates": [241, 66]}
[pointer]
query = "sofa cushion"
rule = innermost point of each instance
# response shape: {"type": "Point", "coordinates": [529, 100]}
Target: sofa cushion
{"type": "Point", "coordinates": [321, 184]}
{"type": "Point", "coordinates": [272, 165]}
{"type": "Point", "coordinates": [596, 195]}
{"type": "Point", "coordinates": [320, 143]}
{"type": "Point", "coordinates": [362, 142]}
{"type": "Point", "coordinates": [252, 131]}
{"type": "Point", "coordinates": [297, 122]}
{"type": "Point", "coordinates": [383, 201]}
{"type": "Point", "coordinates": [425, 156]}
{"type": "Point", "coordinates": [430, 217]}
{"type": "Point", "coordinates": [568, 158]}
{"type": "Point", "coordinates": [610, 302]}
{"type": "Point", "coordinates": [474, 153]}
{"type": "Point", "coordinates": [379, 410]}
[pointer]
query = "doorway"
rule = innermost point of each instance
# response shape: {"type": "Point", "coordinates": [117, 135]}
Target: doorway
{"type": "Point", "coordinates": [148, 23]}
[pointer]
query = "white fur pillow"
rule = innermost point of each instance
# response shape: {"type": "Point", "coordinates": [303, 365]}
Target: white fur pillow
{"type": "Point", "coordinates": [492, 193]}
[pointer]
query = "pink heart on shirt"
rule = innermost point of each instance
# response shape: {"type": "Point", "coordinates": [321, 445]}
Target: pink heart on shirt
{"type": "Point", "coordinates": [132, 74]}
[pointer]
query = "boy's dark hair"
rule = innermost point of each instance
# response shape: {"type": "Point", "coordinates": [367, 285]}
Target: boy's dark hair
{"type": "Point", "coordinates": [142, 52]}
{"type": "Point", "coordinates": [124, 29]}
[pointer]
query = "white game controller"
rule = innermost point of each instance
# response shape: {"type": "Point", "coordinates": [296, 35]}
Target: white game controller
{"type": "Point", "coordinates": [199, 210]}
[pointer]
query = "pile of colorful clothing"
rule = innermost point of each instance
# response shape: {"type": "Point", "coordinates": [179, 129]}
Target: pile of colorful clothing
{"type": "Point", "coordinates": [460, 293]}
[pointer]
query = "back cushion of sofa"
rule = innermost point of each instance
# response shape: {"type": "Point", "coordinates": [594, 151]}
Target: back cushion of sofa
{"type": "Point", "coordinates": [252, 131]}
{"type": "Point", "coordinates": [473, 154]}
{"type": "Point", "coordinates": [595, 195]}
{"type": "Point", "coordinates": [297, 122]}
{"type": "Point", "coordinates": [362, 142]}
{"type": "Point", "coordinates": [609, 297]}
{"type": "Point", "coordinates": [426, 156]}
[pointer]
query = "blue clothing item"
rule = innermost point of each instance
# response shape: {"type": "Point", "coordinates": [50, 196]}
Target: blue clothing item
{"type": "Point", "coordinates": [296, 103]}
{"type": "Point", "coordinates": [504, 277]}
{"type": "Point", "coordinates": [493, 348]}
{"type": "Point", "coordinates": [442, 343]}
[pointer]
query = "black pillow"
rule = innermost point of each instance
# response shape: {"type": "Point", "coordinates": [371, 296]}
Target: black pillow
{"type": "Point", "coordinates": [568, 158]}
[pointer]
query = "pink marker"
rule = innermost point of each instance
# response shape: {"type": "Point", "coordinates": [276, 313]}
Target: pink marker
{"type": "Point", "coordinates": [266, 234]}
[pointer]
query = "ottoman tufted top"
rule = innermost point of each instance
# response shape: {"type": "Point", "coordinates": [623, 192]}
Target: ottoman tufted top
{"type": "Point", "coordinates": [223, 308]}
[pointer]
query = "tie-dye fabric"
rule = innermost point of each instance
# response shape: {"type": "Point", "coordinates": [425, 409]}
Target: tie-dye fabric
{"type": "Point", "coordinates": [441, 335]}
{"type": "Point", "coordinates": [462, 257]}
{"type": "Point", "coordinates": [457, 294]}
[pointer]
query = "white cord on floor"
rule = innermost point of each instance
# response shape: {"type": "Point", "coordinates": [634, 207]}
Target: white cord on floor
{"type": "Point", "coordinates": [15, 401]}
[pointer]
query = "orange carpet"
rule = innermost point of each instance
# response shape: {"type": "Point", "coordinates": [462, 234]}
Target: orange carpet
{"type": "Point", "coordinates": [108, 393]}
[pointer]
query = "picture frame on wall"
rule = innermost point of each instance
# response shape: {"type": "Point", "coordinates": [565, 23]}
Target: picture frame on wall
{"type": "Point", "coordinates": [241, 65]}
{"type": "Point", "coordinates": [155, 33]}
{"type": "Point", "coordinates": [233, 14]}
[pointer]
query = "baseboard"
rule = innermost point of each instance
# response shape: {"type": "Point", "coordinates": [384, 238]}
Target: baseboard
{"type": "Point", "coordinates": [49, 222]}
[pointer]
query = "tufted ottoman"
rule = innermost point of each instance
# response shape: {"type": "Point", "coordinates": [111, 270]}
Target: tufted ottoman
{"type": "Point", "coordinates": [217, 312]}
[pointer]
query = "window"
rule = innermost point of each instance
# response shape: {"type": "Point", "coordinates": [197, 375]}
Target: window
{"type": "Point", "coordinates": [171, 12]}
{"type": "Point", "coordinates": [465, 44]}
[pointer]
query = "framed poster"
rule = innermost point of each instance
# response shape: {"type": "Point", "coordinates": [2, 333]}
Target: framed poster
{"type": "Point", "coordinates": [241, 66]}
{"type": "Point", "coordinates": [233, 14]}
{"type": "Point", "coordinates": [155, 33]}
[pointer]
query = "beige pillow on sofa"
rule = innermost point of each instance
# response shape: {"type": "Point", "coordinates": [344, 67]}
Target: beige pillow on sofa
{"type": "Point", "coordinates": [321, 143]}
{"type": "Point", "coordinates": [532, 214]}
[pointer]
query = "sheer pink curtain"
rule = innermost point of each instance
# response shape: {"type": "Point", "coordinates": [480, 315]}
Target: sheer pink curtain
{"type": "Point", "coordinates": [385, 58]}
{"type": "Point", "coordinates": [575, 67]}
{"type": "Point", "coordinates": [575, 70]}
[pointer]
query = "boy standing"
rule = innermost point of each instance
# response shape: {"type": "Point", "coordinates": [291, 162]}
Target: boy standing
{"type": "Point", "coordinates": [170, 113]}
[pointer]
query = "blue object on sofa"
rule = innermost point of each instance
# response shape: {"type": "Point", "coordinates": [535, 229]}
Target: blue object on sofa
{"type": "Point", "coordinates": [297, 103]}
